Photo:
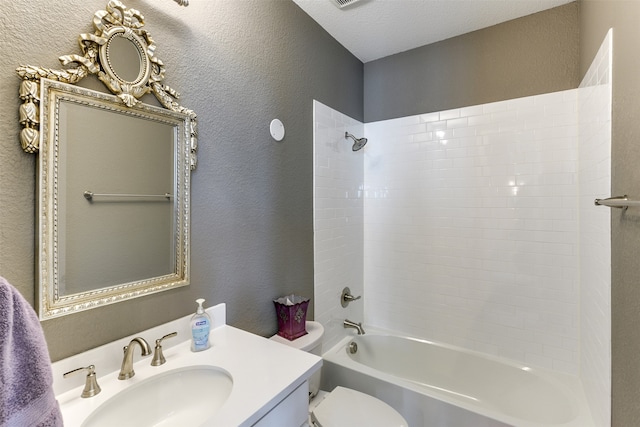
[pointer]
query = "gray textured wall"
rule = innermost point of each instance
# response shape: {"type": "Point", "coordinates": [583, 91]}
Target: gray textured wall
{"type": "Point", "coordinates": [596, 17]}
{"type": "Point", "coordinates": [523, 57]}
{"type": "Point", "coordinates": [238, 65]}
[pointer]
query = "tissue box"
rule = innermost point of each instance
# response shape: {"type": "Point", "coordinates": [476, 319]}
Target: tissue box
{"type": "Point", "coordinates": [291, 311]}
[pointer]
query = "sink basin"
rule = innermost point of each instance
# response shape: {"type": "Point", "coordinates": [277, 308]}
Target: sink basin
{"type": "Point", "coordinates": [185, 397]}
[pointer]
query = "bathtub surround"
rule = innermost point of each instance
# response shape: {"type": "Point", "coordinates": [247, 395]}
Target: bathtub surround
{"type": "Point", "coordinates": [479, 228]}
{"type": "Point", "coordinates": [594, 176]}
{"type": "Point", "coordinates": [338, 220]}
{"type": "Point", "coordinates": [470, 228]}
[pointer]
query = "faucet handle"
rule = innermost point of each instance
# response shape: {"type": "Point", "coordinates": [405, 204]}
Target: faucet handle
{"type": "Point", "coordinates": [346, 297]}
{"type": "Point", "coordinates": [91, 387]}
{"type": "Point", "coordinates": [158, 357]}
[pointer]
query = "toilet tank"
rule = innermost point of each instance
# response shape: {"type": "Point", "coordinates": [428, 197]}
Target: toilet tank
{"type": "Point", "coordinates": [311, 343]}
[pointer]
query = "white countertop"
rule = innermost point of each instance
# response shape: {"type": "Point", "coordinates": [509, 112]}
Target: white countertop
{"type": "Point", "coordinates": [264, 372]}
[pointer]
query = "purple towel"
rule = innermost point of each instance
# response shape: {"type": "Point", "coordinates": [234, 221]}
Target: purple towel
{"type": "Point", "coordinates": [26, 381]}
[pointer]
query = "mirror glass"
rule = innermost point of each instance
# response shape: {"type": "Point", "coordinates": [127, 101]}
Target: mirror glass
{"type": "Point", "coordinates": [131, 160]}
{"type": "Point", "coordinates": [125, 58]}
{"type": "Point", "coordinates": [114, 199]}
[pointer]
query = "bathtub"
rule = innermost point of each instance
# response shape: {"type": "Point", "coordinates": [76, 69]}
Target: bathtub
{"type": "Point", "coordinates": [435, 385]}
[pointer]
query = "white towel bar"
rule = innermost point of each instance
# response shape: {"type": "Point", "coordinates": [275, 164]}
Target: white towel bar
{"type": "Point", "coordinates": [89, 195]}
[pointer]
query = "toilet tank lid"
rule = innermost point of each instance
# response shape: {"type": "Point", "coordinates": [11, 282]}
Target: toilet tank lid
{"type": "Point", "coordinates": [307, 342]}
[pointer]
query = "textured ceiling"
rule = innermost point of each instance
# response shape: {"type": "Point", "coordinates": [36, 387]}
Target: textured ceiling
{"type": "Point", "coordinates": [373, 29]}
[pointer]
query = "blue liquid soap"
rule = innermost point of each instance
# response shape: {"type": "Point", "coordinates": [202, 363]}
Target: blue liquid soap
{"type": "Point", "coordinates": [200, 327]}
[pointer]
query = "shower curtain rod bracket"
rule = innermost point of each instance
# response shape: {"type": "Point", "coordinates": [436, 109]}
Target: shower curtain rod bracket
{"type": "Point", "coordinates": [619, 202]}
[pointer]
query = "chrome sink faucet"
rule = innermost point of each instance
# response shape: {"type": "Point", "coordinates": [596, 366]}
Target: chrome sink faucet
{"type": "Point", "coordinates": [357, 326]}
{"type": "Point", "coordinates": [126, 371]}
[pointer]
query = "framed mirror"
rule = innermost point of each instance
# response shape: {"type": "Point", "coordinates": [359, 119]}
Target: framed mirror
{"type": "Point", "coordinates": [114, 173]}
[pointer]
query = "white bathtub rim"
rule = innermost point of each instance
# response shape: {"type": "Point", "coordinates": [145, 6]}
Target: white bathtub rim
{"type": "Point", "coordinates": [570, 384]}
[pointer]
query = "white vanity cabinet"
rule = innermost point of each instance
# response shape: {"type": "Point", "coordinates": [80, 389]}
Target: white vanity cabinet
{"type": "Point", "coordinates": [292, 411]}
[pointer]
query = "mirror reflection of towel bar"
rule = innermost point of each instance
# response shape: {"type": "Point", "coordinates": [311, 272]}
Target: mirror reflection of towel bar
{"type": "Point", "coordinates": [621, 202]}
{"type": "Point", "coordinates": [89, 195]}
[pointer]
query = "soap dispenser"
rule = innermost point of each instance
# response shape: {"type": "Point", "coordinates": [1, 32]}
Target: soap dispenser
{"type": "Point", "coordinates": [200, 327]}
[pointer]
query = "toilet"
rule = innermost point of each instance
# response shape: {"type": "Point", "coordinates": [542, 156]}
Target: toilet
{"type": "Point", "coordinates": [342, 407]}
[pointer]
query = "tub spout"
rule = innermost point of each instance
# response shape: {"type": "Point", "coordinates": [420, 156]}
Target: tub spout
{"type": "Point", "coordinates": [357, 326]}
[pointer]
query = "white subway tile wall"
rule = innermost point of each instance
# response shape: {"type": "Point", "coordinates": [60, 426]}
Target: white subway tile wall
{"type": "Point", "coordinates": [338, 220]}
{"type": "Point", "coordinates": [471, 228]}
{"type": "Point", "coordinates": [594, 173]}
{"type": "Point", "coordinates": [479, 228]}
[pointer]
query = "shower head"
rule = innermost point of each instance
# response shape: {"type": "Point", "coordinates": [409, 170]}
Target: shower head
{"type": "Point", "coordinates": [358, 143]}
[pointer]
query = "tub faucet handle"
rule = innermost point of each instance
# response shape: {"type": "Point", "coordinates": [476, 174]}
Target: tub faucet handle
{"type": "Point", "coordinates": [158, 357]}
{"type": "Point", "coordinates": [91, 387]}
{"type": "Point", "coordinates": [346, 297]}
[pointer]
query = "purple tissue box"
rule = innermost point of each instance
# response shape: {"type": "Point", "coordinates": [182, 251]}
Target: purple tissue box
{"type": "Point", "coordinates": [292, 316]}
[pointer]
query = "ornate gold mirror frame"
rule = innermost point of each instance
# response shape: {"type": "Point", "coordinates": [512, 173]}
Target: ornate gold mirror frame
{"type": "Point", "coordinates": [121, 53]}
{"type": "Point", "coordinates": [112, 25]}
